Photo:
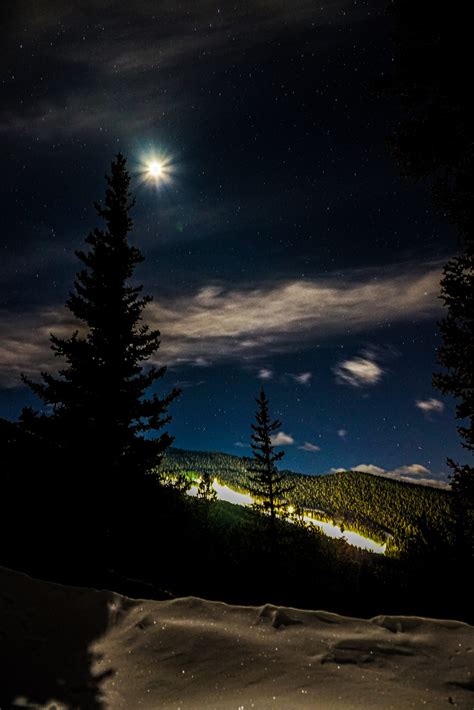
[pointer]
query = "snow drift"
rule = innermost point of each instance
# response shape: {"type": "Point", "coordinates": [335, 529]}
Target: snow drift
{"type": "Point", "coordinates": [64, 647]}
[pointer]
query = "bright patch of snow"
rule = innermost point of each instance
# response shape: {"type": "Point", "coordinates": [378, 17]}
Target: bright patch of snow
{"type": "Point", "coordinates": [353, 538]}
{"type": "Point", "coordinates": [79, 648]}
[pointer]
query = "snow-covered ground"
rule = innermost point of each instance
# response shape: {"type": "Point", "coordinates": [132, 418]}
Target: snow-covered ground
{"type": "Point", "coordinates": [64, 647]}
{"type": "Point", "coordinates": [227, 494]}
{"type": "Point", "coordinates": [351, 537]}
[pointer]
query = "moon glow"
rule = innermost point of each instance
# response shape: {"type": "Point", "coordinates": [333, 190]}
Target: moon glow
{"type": "Point", "coordinates": [155, 169]}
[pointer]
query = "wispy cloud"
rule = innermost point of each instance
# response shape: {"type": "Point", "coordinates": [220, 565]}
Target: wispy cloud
{"type": "Point", "coordinates": [311, 448]}
{"type": "Point", "coordinates": [282, 439]}
{"type": "Point", "coordinates": [369, 468]}
{"type": "Point", "coordinates": [304, 378]}
{"type": "Point", "coordinates": [430, 406]}
{"type": "Point", "coordinates": [265, 374]}
{"type": "Point", "coordinates": [25, 345]}
{"type": "Point", "coordinates": [271, 318]}
{"type": "Point", "coordinates": [342, 433]}
{"type": "Point", "coordinates": [135, 69]}
{"type": "Point", "coordinates": [411, 473]}
{"type": "Point", "coordinates": [358, 372]}
{"type": "Point", "coordinates": [242, 324]}
{"type": "Point", "coordinates": [414, 469]}
{"type": "Point", "coordinates": [201, 362]}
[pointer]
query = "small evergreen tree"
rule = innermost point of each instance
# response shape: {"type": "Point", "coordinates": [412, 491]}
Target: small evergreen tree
{"type": "Point", "coordinates": [266, 483]}
{"type": "Point", "coordinates": [100, 411]}
{"type": "Point", "coordinates": [205, 489]}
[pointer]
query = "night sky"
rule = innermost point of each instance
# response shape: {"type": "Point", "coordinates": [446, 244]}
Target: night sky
{"type": "Point", "coordinates": [284, 248]}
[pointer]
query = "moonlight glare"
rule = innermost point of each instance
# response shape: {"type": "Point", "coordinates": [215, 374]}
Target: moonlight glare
{"type": "Point", "coordinates": [156, 170]}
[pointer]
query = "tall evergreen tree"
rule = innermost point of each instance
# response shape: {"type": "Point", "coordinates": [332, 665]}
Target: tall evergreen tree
{"type": "Point", "coordinates": [456, 355]}
{"type": "Point", "coordinates": [266, 483]}
{"type": "Point", "coordinates": [434, 142]}
{"type": "Point", "coordinates": [101, 416]}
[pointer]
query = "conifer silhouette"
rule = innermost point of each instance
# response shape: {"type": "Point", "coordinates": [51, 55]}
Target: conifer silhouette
{"type": "Point", "coordinates": [434, 142]}
{"type": "Point", "coordinates": [100, 410]}
{"type": "Point", "coordinates": [267, 484]}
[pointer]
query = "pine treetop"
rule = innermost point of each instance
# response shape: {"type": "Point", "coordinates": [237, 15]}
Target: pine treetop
{"type": "Point", "coordinates": [266, 482]}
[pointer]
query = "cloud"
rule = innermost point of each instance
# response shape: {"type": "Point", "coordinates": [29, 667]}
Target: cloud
{"type": "Point", "coordinates": [241, 445]}
{"type": "Point", "coordinates": [358, 372]}
{"type": "Point", "coordinates": [282, 439]}
{"type": "Point", "coordinates": [411, 473]}
{"type": "Point", "coordinates": [303, 378]}
{"type": "Point", "coordinates": [135, 70]}
{"type": "Point", "coordinates": [429, 406]}
{"type": "Point", "coordinates": [307, 446]}
{"type": "Point", "coordinates": [342, 433]}
{"type": "Point", "coordinates": [25, 345]}
{"type": "Point", "coordinates": [201, 362]}
{"type": "Point", "coordinates": [239, 324]}
{"type": "Point", "coordinates": [414, 469]}
{"type": "Point", "coordinates": [369, 468]}
{"type": "Point", "coordinates": [265, 374]}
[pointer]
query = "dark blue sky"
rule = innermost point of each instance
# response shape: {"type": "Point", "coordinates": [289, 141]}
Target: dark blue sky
{"type": "Point", "coordinates": [286, 249]}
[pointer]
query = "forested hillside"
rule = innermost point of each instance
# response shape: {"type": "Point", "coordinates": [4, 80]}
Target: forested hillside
{"type": "Point", "coordinates": [385, 510]}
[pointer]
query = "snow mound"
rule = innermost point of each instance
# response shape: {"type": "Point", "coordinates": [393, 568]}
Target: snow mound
{"type": "Point", "coordinates": [64, 647]}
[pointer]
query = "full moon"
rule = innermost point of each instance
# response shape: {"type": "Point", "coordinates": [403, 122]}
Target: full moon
{"type": "Point", "coordinates": [155, 169]}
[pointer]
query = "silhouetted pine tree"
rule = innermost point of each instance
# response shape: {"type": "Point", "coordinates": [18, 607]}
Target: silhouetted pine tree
{"type": "Point", "coordinates": [434, 142]}
{"type": "Point", "coordinates": [266, 483]}
{"type": "Point", "coordinates": [100, 411]}
{"type": "Point", "coordinates": [456, 355]}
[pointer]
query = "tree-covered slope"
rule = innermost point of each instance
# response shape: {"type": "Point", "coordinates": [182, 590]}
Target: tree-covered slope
{"type": "Point", "coordinates": [378, 507]}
